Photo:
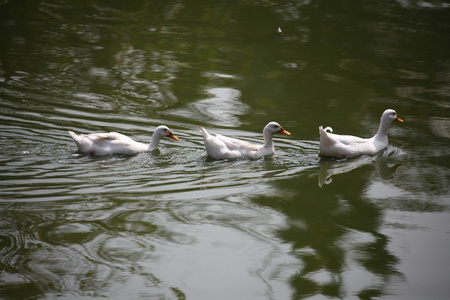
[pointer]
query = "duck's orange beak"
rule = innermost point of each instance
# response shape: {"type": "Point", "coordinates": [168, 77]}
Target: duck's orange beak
{"type": "Point", "coordinates": [172, 136]}
{"type": "Point", "coordinates": [399, 120]}
{"type": "Point", "coordinates": [284, 132]}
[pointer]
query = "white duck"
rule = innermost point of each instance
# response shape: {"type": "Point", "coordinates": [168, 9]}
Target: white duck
{"type": "Point", "coordinates": [116, 143]}
{"type": "Point", "coordinates": [343, 146]}
{"type": "Point", "coordinates": [222, 147]}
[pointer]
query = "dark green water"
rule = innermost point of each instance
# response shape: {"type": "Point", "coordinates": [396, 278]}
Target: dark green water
{"type": "Point", "coordinates": [176, 225]}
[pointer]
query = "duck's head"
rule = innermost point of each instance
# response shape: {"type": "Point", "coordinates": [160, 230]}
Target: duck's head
{"type": "Point", "coordinates": [164, 131]}
{"type": "Point", "coordinates": [390, 115]}
{"type": "Point", "coordinates": [274, 127]}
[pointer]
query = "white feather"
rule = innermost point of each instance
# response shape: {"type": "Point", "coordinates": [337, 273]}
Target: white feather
{"type": "Point", "coordinates": [117, 143]}
{"type": "Point", "coordinates": [342, 146]}
{"type": "Point", "coordinates": [223, 147]}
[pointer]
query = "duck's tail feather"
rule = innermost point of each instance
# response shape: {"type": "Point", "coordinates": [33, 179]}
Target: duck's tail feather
{"type": "Point", "coordinates": [325, 139]}
{"type": "Point", "coordinates": [204, 132]}
{"type": "Point", "coordinates": [75, 138]}
{"type": "Point", "coordinates": [73, 135]}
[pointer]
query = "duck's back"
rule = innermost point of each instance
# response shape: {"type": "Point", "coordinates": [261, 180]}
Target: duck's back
{"type": "Point", "coordinates": [343, 146]}
{"type": "Point", "coordinates": [236, 144]}
{"type": "Point", "coordinates": [107, 143]}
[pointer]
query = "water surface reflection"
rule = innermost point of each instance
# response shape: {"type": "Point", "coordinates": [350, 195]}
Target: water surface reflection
{"type": "Point", "coordinates": [329, 167]}
{"type": "Point", "coordinates": [337, 238]}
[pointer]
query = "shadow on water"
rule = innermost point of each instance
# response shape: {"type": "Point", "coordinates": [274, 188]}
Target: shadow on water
{"type": "Point", "coordinates": [329, 166]}
{"type": "Point", "coordinates": [335, 232]}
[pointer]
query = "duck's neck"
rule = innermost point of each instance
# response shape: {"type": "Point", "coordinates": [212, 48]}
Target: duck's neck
{"type": "Point", "coordinates": [268, 141]}
{"type": "Point", "coordinates": [267, 149]}
{"type": "Point", "coordinates": [382, 131]}
{"type": "Point", "coordinates": [154, 142]}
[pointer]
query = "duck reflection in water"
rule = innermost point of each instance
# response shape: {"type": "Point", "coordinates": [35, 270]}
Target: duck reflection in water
{"type": "Point", "coordinates": [329, 166]}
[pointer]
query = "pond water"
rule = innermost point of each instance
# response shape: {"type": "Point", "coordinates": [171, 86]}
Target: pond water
{"type": "Point", "coordinates": [175, 224]}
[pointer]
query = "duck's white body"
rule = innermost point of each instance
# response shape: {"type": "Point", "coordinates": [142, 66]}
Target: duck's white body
{"type": "Point", "coordinates": [116, 143]}
{"type": "Point", "coordinates": [222, 147]}
{"type": "Point", "coordinates": [343, 146]}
